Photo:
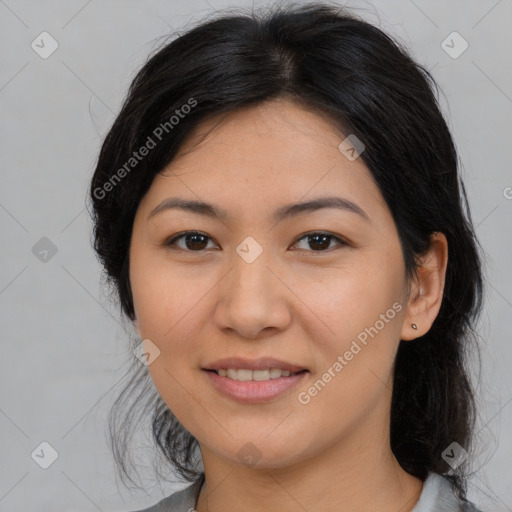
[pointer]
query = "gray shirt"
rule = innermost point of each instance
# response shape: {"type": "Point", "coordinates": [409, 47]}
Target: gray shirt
{"type": "Point", "coordinates": [436, 496]}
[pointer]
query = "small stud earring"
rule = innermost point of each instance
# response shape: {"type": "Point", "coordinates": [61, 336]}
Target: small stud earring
{"type": "Point", "coordinates": [414, 326]}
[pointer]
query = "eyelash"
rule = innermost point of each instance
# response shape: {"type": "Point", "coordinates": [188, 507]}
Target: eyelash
{"type": "Point", "coordinates": [171, 241]}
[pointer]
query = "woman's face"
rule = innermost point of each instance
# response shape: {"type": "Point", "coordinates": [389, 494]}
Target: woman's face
{"type": "Point", "coordinates": [252, 285]}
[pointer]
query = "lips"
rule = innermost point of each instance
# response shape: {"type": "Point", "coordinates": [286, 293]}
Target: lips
{"type": "Point", "coordinates": [263, 363]}
{"type": "Point", "coordinates": [254, 391]}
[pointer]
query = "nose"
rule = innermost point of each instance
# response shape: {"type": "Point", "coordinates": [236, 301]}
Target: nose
{"type": "Point", "coordinates": [252, 300]}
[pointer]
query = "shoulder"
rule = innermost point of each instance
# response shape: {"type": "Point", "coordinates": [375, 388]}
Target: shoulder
{"type": "Point", "coordinates": [180, 501]}
{"type": "Point", "coordinates": [438, 494]}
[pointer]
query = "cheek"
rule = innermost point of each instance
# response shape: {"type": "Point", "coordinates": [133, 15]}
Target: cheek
{"type": "Point", "coordinates": [162, 295]}
{"type": "Point", "coordinates": [170, 306]}
{"type": "Point", "coordinates": [356, 353]}
{"type": "Point", "coordinates": [345, 300]}
{"type": "Point", "coordinates": [358, 317]}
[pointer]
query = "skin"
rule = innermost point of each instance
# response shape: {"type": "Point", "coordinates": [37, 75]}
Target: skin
{"type": "Point", "coordinates": [296, 302]}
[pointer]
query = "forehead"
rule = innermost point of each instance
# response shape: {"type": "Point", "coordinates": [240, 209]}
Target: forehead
{"type": "Point", "coordinates": [263, 156]}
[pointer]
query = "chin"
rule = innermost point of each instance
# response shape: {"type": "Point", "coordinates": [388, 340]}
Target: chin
{"type": "Point", "coordinates": [261, 453]}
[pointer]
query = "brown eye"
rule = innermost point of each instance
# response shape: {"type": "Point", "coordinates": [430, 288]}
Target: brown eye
{"type": "Point", "coordinates": [320, 242]}
{"type": "Point", "coordinates": [194, 241]}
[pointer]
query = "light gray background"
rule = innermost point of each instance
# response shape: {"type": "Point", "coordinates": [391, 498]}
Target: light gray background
{"type": "Point", "coordinates": [63, 346]}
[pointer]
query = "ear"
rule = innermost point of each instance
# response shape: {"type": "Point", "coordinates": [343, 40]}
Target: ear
{"type": "Point", "coordinates": [426, 293]}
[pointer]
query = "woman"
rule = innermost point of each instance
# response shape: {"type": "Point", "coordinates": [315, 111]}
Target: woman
{"type": "Point", "coordinates": [279, 208]}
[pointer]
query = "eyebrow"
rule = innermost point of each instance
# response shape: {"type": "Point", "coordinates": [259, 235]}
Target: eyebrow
{"type": "Point", "coordinates": [287, 211]}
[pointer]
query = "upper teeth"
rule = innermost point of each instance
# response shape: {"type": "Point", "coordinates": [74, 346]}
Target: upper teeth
{"type": "Point", "coordinates": [242, 374]}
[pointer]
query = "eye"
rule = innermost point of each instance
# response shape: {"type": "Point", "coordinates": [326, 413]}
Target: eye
{"type": "Point", "coordinates": [194, 241]}
{"type": "Point", "coordinates": [320, 241]}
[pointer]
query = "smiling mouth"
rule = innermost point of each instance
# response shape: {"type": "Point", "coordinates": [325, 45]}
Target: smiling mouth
{"type": "Point", "coordinates": [254, 375]}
